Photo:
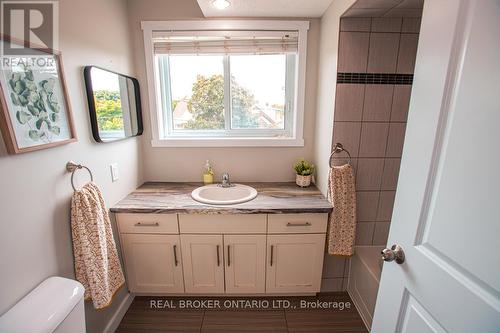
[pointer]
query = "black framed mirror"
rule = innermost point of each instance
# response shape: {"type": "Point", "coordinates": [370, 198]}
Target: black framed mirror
{"type": "Point", "coordinates": [114, 104]}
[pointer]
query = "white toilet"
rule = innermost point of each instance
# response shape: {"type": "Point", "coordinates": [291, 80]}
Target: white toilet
{"type": "Point", "coordinates": [55, 306]}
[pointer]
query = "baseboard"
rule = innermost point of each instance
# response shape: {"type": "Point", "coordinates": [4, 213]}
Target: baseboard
{"type": "Point", "coordinates": [118, 316]}
{"type": "Point", "coordinates": [224, 295]}
{"type": "Point", "coordinates": [361, 311]}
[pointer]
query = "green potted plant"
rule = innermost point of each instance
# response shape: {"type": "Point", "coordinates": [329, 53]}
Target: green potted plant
{"type": "Point", "coordinates": [304, 171]}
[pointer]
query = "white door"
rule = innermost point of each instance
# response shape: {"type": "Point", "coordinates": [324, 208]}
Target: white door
{"type": "Point", "coordinates": [294, 263]}
{"type": "Point", "coordinates": [245, 257]}
{"type": "Point", "coordinates": [447, 210]}
{"type": "Point", "coordinates": [153, 263]}
{"type": "Point", "coordinates": [203, 262]}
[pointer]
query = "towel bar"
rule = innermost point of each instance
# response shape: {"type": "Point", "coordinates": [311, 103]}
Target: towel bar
{"type": "Point", "coordinates": [338, 148]}
{"type": "Point", "coordinates": [72, 167]}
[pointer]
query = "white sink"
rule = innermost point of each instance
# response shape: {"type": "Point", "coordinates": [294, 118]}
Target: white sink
{"type": "Point", "coordinates": [217, 195]}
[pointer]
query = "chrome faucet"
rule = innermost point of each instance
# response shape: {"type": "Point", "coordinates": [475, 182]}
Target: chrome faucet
{"type": "Point", "coordinates": [225, 180]}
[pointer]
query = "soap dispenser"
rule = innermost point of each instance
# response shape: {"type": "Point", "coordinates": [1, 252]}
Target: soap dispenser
{"type": "Point", "coordinates": [208, 174]}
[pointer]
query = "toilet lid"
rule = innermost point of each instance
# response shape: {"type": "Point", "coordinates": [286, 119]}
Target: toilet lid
{"type": "Point", "coordinates": [44, 308]}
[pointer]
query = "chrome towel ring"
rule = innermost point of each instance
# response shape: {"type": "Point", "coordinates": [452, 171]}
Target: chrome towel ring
{"type": "Point", "coordinates": [72, 167]}
{"type": "Point", "coordinates": [338, 148]}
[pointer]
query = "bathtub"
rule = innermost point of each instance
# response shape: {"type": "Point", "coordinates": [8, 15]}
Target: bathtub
{"type": "Point", "coordinates": [364, 278]}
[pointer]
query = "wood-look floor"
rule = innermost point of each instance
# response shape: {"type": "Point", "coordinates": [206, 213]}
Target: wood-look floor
{"type": "Point", "coordinates": [140, 317]}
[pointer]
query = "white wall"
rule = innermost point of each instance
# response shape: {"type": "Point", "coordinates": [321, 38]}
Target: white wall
{"type": "Point", "coordinates": [334, 268]}
{"type": "Point", "coordinates": [35, 190]}
{"type": "Point", "coordinates": [327, 78]}
{"type": "Point", "coordinates": [244, 164]}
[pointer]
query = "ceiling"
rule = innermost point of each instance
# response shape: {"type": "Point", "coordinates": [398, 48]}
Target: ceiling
{"type": "Point", "coordinates": [385, 8]}
{"type": "Point", "coordinates": [267, 8]}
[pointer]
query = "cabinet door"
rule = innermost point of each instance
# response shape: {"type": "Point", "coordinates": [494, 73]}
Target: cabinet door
{"type": "Point", "coordinates": [245, 261]}
{"type": "Point", "coordinates": [294, 263]}
{"type": "Point", "coordinates": [153, 263]}
{"type": "Point", "coordinates": [203, 262]}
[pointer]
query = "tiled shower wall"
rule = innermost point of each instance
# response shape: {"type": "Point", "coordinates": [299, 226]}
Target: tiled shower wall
{"type": "Point", "coordinates": [370, 121]}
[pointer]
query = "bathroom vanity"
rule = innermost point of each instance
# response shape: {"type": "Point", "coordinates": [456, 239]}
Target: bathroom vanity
{"type": "Point", "coordinates": [172, 244]}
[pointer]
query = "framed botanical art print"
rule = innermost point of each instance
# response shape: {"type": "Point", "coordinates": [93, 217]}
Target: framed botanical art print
{"type": "Point", "coordinates": [35, 111]}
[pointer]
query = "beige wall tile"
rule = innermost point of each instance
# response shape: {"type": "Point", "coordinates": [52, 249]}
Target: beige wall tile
{"type": "Point", "coordinates": [383, 24]}
{"type": "Point", "coordinates": [373, 139]}
{"type": "Point", "coordinates": [347, 133]}
{"type": "Point", "coordinates": [402, 12]}
{"type": "Point", "coordinates": [353, 51]}
{"type": "Point", "coordinates": [376, 4]}
{"type": "Point", "coordinates": [385, 205]}
{"type": "Point", "coordinates": [401, 102]}
{"type": "Point", "coordinates": [381, 233]}
{"type": "Point", "coordinates": [347, 267]}
{"type": "Point", "coordinates": [333, 266]}
{"type": "Point", "coordinates": [369, 174]}
{"type": "Point", "coordinates": [349, 102]}
{"type": "Point", "coordinates": [367, 205]}
{"type": "Point", "coordinates": [411, 4]}
{"type": "Point", "coordinates": [365, 12]}
{"type": "Point", "coordinates": [378, 102]}
{"type": "Point", "coordinates": [345, 282]}
{"type": "Point", "coordinates": [407, 53]}
{"type": "Point", "coordinates": [411, 24]}
{"type": "Point", "coordinates": [331, 285]}
{"type": "Point", "coordinates": [364, 233]}
{"type": "Point", "coordinates": [396, 140]}
{"type": "Point", "coordinates": [345, 160]}
{"type": "Point", "coordinates": [391, 173]}
{"type": "Point", "coordinates": [383, 53]}
{"type": "Point", "coordinates": [355, 24]}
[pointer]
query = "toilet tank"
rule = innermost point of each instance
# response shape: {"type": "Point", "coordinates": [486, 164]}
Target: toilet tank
{"type": "Point", "coordinates": [54, 306]}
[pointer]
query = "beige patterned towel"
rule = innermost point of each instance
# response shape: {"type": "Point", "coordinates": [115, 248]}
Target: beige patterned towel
{"type": "Point", "coordinates": [342, 226]}
{"type": "Point", "coordinates": [96, 260]}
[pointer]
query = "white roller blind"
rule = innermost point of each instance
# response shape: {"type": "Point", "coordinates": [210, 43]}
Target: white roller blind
{"type": "Point", "coordinates": [225, 42]}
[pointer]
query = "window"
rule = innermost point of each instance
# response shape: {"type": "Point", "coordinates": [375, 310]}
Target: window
{"type": "Point", "coordinates": [226, 95]}
{"type": "Point", "coordinates": [226, 87]}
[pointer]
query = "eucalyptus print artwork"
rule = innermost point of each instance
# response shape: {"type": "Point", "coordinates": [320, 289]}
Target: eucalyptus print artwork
{"type": "Point", "coordinates": [38, 109]}
{"type": "Point", "coordinates": [34, 107]}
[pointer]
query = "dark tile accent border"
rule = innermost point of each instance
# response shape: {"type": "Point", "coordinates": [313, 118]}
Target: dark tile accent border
{"type": "Point", "coordinates": [374, 78]}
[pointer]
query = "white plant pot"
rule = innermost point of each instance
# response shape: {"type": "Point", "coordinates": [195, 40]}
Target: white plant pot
{"type": "Point", "coordinates": [303, 181]}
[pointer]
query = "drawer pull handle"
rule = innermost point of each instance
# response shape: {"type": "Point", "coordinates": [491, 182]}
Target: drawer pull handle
{"type": "Point", "coordinates": [176, 262]}
{"type": "Point", "coordinates": [142, 224]}
{"type": "Point", "coordinates": [228, 255]}
{"type": "Point", "coordinates": [272, 250]}
{"type": "Point", "coordinates": [218, 256]}
{"type": "Point", "coordinates": [307, 224]}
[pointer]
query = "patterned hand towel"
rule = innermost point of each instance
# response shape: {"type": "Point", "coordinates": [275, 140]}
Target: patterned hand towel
{"type": "Point", "coordinates": [97, 265]}
{"type": "Point", "coordinates": [342, 226]}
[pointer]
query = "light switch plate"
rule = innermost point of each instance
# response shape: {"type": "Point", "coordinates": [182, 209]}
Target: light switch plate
{"type": "Point", "coordinates": [114, 172]}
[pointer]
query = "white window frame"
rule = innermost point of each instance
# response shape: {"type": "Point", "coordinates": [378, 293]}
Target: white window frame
{"type": "Point", "coordinates": [158, 121]}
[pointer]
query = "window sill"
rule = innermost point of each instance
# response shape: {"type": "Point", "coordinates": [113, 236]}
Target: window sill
{"type": "Point", "coordinates": [228, 142]}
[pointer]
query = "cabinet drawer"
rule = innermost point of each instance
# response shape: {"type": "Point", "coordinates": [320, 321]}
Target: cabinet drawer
{"type": "Point", "coordinates": [222, 224]}
{"type": "Point", "coordinates": [297, 223]}
{"type": "Point", "coordinates": [147, 223]}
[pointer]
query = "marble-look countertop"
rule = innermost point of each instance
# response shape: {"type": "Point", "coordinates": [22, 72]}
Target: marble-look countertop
{"type": "Point", "coordinates": [273, 198]}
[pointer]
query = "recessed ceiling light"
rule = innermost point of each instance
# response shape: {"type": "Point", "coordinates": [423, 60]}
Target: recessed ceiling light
{"type": "Point", "coordinates": [221, 4]}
